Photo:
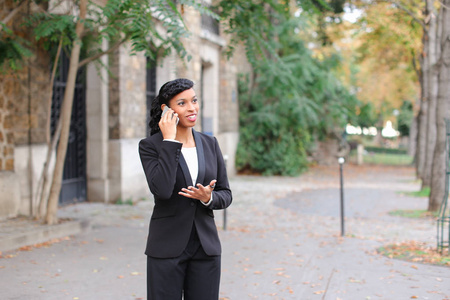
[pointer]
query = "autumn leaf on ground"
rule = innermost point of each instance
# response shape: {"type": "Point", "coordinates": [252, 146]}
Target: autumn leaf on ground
{"type": "Point", "coordinates": [415, 251]}
{"type": "Point", "coordinates": [319, 292]}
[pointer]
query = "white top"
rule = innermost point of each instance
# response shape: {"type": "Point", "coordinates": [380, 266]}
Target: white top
{"type": "Point", "coordinates": [190, 156]}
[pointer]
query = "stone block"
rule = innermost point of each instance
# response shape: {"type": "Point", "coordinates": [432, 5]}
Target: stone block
{"type": "Point", "coordinates": [9, 165]}
{"type": "Point", "coordinates": [98, 191]}
{"type": "Point", "coordinates": [9, 195]}
{"type": "Point", "coordinates": [8, 122]}
{"type": "Point", "coordinates": [8, 151]}
{"type": "Point", "coordinates": [10, 138]}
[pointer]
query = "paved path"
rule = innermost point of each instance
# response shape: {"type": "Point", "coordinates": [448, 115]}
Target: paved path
{"type": "Point", "coordinates": [282, 242]}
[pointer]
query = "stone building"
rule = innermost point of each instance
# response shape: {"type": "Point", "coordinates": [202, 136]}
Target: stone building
{"type": "Point", "coordinates": [110, 116]}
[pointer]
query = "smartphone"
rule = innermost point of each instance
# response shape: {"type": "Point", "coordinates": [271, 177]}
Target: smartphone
{"type": "Point", "coordinates": [166, 108]}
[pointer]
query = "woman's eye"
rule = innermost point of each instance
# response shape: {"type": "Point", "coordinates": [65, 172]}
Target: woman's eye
{"type": "Point", "coordinates": [195, 100]}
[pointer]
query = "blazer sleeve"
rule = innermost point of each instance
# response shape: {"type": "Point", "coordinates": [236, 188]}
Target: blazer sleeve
{"type": "Point", "coordinates": [222, 196]}
{"type": "Point", "coordinates": [160, 166]}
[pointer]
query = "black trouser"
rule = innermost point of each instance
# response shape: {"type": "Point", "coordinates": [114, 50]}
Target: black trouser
{"type": "Point", "coordinates": [193, 273]}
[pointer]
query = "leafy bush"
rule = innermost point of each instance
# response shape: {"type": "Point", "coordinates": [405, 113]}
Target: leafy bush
{"type": "Point", "coordinates": [291, 100]}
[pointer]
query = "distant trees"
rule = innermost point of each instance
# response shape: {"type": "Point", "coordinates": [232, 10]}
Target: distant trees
{"type": "Point", "coordinates": [409, 39]}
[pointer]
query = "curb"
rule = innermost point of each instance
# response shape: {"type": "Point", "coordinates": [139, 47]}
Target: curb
{"type": "Point", "coordinates": [42, 233]}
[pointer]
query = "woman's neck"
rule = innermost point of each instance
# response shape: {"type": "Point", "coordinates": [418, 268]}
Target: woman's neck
{"type": "Point", "coordinates": [185, 136]}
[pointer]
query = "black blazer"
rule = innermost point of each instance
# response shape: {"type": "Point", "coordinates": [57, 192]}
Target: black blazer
{"type": "Point", "coordinates": [174, 215]}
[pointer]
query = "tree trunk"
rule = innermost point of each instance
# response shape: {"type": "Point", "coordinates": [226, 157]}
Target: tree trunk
{"type": "Point", "coordinates": [66, 112]}
{"type": "Point", "coordinates": [438, 169]}
{"type": "Point", "coordinates": [431, 92]}
{"type": "Point", "coordinates": [42, 187]}
{"type": "Point", "coordinates": [422, 115]}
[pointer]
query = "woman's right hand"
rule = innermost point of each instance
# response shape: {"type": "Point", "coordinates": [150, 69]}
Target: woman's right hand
{"type": "Point", "coordinates": [168, 125]}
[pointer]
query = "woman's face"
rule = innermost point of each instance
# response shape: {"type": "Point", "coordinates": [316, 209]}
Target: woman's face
{"type": "Point", "coordinates": [185, 104]}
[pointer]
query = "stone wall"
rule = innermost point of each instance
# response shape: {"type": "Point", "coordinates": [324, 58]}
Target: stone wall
{"type": "Point", "coordinates": [127, 87]}
{"type": "Point", "coordinates": [7, 88]}
{"type": "Point", "coordinates": [23, 96]}
{"type": "Point", "coordinates": [23, 116]}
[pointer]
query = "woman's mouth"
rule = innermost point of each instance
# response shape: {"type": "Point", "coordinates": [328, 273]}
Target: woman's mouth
{"type": "Point", "coordinates": [192, 118]}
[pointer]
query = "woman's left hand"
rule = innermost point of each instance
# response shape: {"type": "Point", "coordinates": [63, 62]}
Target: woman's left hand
{"type": "Point", "coordinates": [200, 192]}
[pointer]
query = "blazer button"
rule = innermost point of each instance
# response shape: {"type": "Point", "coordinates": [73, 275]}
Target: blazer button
{"type": "Point", "coordinates": [192, 203]}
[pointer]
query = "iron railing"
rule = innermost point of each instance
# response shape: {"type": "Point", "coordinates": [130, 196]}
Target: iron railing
{"type": "Point", "coordinates": [443, 221]}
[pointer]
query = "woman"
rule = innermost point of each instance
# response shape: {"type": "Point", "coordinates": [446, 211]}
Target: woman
{"type": "Point", "coordinates": [186, 174]}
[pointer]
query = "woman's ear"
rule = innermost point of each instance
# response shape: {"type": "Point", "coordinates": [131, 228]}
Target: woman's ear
{"type": "Point", "coordinates": [162, 106]}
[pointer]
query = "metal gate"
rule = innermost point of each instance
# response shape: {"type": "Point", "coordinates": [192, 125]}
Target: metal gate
{"type": "Point", "coordinates": [150, 91]}
{"type": "Point", "coordinates": [73, 187]}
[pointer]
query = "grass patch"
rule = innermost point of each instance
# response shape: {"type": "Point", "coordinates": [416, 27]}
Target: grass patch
{"type": "Point", "coordinates": [388, 159]}
{"type": "Point", "coordinates": [422, 193]}
{"type": "Point", "coordinates": [414, 214]}
{"type": "Point", "coordinates": [125, 202]}
{"type": "Point", "coordinates": [415, 252]}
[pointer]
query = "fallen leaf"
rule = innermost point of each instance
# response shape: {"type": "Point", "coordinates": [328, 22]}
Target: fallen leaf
{"type": "Point", "coordinates": [135, 273]}
{"type": "Point", "coordinates": [319, 292]}
{"type": "Point", "coordinates": [120, 276]}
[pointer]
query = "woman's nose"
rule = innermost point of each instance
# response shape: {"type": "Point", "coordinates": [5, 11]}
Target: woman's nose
{"type": "Point", "coordinates": [191, 106]}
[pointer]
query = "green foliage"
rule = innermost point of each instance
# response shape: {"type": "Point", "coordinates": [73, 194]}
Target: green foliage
{"type": "Point", "coordinates": [268, 143]}
{"type": "Point", "coordinates": [405, 118]}
{"type": "Point", "coordinates": [252, 23]}
{"type": "Point", "coordinates": [291, 99]}
{"type": "Point", "coordinates": [367, 116]}
{"type": "Point", "coordinates": [116, 22]}
{"type": "Point", "coordinates": [12, 52]}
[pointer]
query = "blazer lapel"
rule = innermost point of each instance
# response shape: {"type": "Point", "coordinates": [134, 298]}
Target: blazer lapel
{"type": "Point", "coordinates": [185, 169]}
{"type": "Point", "coordinates": [200, 157]}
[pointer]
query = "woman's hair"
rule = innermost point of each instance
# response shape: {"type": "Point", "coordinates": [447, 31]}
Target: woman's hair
{"type": "Point", "coordinates": [169, 90]}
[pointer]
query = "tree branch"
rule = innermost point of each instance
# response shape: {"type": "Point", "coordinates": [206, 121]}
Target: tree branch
{"type": "Point", "coordinates": [414, 63]}
{"type": "Point", "coordinates": [410, 13]}
{"type": "Point", "coordinates": [12, 13]}
{"type": "Point", "coordinates": [100, 54]}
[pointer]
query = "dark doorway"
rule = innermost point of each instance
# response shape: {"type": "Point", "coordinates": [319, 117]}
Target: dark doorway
{"type": "Point", "coordinates": [73, 187]}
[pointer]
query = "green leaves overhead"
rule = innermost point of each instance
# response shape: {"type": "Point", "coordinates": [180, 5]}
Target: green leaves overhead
{"type": "Point", "coordinates": [12, 52]}
{"type": "Point", "coordinates": [291, 100]}
{"type": "Point", "coordinates": [151, 26]}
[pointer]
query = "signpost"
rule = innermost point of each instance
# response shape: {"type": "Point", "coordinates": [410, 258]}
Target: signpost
{"type": "Point", "coordinates": [341, 161]}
